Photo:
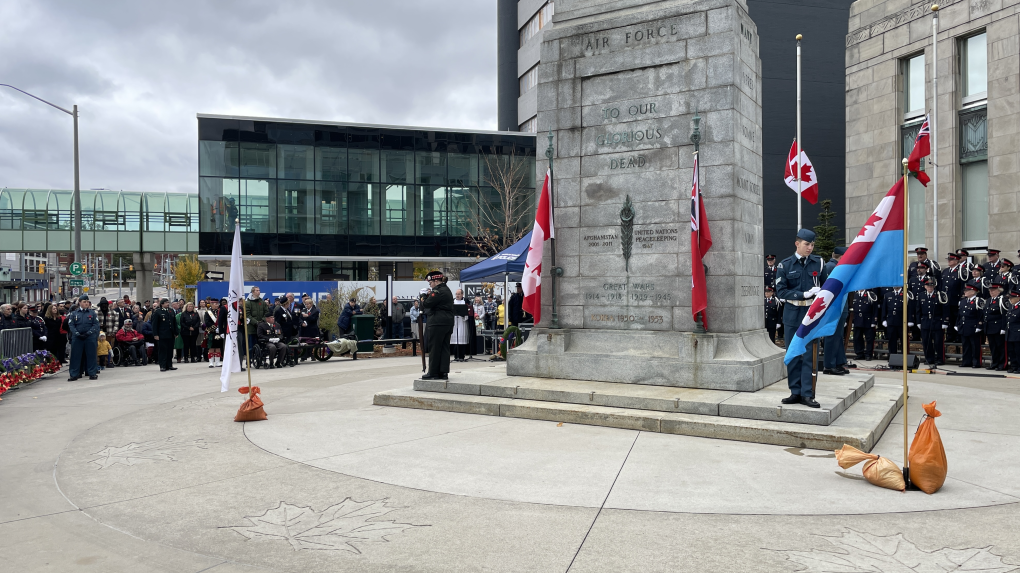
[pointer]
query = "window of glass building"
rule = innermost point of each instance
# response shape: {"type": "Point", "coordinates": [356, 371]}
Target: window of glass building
{"type": "Point", "coordinates": [219, 204]}
{"type": "Point", "coordinates": [529, 80]}
{"type": "Point", "coordinates": [530, 126]}
{"type": "Point", "coordinates": [397, 211]}
{"type": "Point", "coordinates": [363, 165]}
{"type": "Point", "coordinates": [364, 206]}
{"type": "Point", "coordinates": [462, 168]}
{"type": "Point", "coordinates": [258, 160]}
{"type": "Point", "coordinates": [397, 166]}
{"type": "Point", "coordinates": [257, 198]}
{"type": "Point", "coordinates": [536, 23]}
{"type": "Point", "coordinates": [430, 167]}
{"type": "Point", "coordinates": [331, 163]}
{"type": "Point", "coordinates": [332, 205]}
{"type": "Point", "coordinates": [296, 206]}
{"type": "Point", "coordinates": [218, 158]}
{"type": "Point", "coordinates": [974, 173]}
{"type": "Point", "coordinates": [296, 161]}
{"type": "Point", "coordinates": [974, 67]}
{"type": "Point", "coordinates": [916, 191]}
{"type": "Point", "coordinates": [913, 86]}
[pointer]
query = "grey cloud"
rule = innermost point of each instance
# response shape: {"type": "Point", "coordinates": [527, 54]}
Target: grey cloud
{"type": "Point", "coordinates": [142, 70]}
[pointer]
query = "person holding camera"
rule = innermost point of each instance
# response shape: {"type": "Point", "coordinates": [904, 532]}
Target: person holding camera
{"type": "Point", "coordinates": [437, 303]}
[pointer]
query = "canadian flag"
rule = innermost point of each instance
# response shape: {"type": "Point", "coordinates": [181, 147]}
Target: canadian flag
{"type": "Point", "coordinates": [701, 242]}
{"type": "Point", "coordinates": [922, 148]}
{"type": "Point", "coordinates": [531, 281]}
{"type": "Point", "coordinates": [808, 184]}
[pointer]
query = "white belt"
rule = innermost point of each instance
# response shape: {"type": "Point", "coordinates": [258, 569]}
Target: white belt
{"type": "Point", "coordinates": [801, 302]}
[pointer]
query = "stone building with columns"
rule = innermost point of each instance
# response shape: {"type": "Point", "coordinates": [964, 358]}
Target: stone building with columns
{"type": "Point", "coordinates": [889, 89]}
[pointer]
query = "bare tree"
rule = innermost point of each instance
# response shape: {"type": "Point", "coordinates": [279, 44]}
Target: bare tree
{"type": "Point", "coordinates": [500, 220]}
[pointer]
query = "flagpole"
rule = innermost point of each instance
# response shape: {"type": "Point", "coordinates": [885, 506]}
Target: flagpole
{"type": "Point", "coordinates": [800, 184]}
{"type": "Point", "coordinates": [934, 121]}
{"type": "Point", "coordinates": [906, 342]}
{"type": "Point", "coordinates": [556, 271]}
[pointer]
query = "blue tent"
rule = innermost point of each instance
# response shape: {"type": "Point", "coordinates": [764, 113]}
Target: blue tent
{"type": "Point", "coordinates": [504, 266]}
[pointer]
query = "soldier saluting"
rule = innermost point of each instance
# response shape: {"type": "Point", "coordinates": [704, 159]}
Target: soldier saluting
{"type": "Point", "coordinates": [437, 302]}
{"type": "Point", "coordinates": [797, 283]}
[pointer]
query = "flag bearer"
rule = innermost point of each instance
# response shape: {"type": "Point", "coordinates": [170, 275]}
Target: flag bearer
{"type": "Point", "coordinates": [797, 283]}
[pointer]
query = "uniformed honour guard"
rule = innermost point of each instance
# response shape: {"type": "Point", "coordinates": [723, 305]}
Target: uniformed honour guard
{"type": "Point", "coordinates": [992, 265]}
{"type": "Point", "coordinates": [437, 303]}
{"type": "Point", "coordinates": [930, 317]}
{"type": "Point", "coordinates": [770, 271]}
{"type": "Point", "coordinates": [83, 328]}
{"type": "Point", "coordinates": [892, 318]}
{"type": "Point", "coordinates": [797, 283]}
{"type": "Point", "coordinates": [866, 312]}
{"type": "Point", "coordinates": [953, 279]}
{"type": "Point", "coordinates": [1006, 276]}
{"type": "Point", "coordinates": [915, 286]}
{"type": "Point", "coordinates": [834, 360]}
{"type": "Point", "coordinates": [970, 323]}
{"type": "Point", "coordinates": [934, 268]}
{"type": "Point", "coordinates": [996, 314]}
{"type": "Point", "coordinates": [773, 310]}
{"type": "Point", "coordinates": [164, 329]}
{"type": "Point", "coordinates": [1013, 332]}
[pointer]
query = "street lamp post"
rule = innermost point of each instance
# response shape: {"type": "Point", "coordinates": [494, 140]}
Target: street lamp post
{"type": "Point", "coordinates": [77, 192]}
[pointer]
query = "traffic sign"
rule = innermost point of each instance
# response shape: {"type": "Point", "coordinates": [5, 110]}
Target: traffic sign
{"type": "Point", "coordinates": [77, 282]}
{"type": "Point", "coordinates": [76, 291]}
{"type": "Point", "coordinates": [85, 289]}
{"type": "Point", "coordinates": [76, 268]}
{"type": "Point", "coordinates": [190, 286]}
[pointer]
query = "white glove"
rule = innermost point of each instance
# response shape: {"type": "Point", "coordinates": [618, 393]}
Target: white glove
{"type": "Point", "coordinates": [43, 338]}
{"type": "Point", "coordinates": [424, 291]}
{"type": "Point", "coordinates": [910, 324]}
{"type": "Point", "coordinates": [956, 328]}
{"type": "Point", "coordinates": [885, 323]}
{"type": "Point", "coordinates": [811, 293]}
{"type": "Point", "coordinates": [977, 330]}
{"type": "Point", "coordinates": [945, 327]}
{"type": "Point", "coordinates": [1000, 332]}
{"type": "Point", "coordinates": [274, 340]}
{"type": "Point", "coordinates": [874, 326]}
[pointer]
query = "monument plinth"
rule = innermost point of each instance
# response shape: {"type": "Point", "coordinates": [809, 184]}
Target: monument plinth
{"type": "Point", "coordinates": [619, 85]}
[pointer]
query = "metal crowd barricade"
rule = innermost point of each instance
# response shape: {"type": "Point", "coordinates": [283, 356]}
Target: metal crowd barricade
{"type": "Point", "coordinates": [15, 342]}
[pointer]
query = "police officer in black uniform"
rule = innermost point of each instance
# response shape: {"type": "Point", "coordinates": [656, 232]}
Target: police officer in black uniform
{"type": "Point", "coordinates": [1006, 275]}
{"type": "Point", "coordinates": [996, 313]}
{"type": "Point", "coordinates": [164, 328]}
{"type": "Point", "coordinates": [916, 286]}
{"type": "Point", "coordinates": [770, 271]}
{"type": "Point", "coordinates": [835, 344]}
{"type": "Point", "coordinates": [437, 303]}
{"type": "Point", "coordinates": [892, 318]}
{"type": "Point", "coordinates": [977, 276]}
{"type": "Point", "coordinates": [866, 312]}
{"type": "Point", "coordinates": [773, 306]}
{"type": "Point", "coordinates": [970, 323]}
{"type": "Point", "coordinates": [1013, 332]}
{"type": "Point", "coordinates": [83, 329]}
{"type": "Point", "coordinates": [930, 316]}
{"type": "Point", "coordinates": [934, 268]}
{"type": "Point", "coordinates": [992, 265]}
{"type": "Point", "coordinates": [797, 283]}
{"type": "Point", "coordinates": [954, 276]}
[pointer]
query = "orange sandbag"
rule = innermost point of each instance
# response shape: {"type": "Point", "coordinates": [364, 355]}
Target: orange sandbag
{"type": "Point", "coordinates": [251, 410]}
{"type": "Point", "coordinates": [877, 470]}
{"type": "Point", "coordinates": [928, 466]}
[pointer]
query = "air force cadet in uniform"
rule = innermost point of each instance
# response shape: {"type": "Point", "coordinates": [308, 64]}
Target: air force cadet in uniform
{"type": "Point", "coordinates": [797, 283]}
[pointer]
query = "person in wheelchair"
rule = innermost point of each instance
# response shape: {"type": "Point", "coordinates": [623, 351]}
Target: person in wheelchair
{"type": "Point", "coordinates": [132, 344]}
{"type": "Point", "coordinates": [270, 337]}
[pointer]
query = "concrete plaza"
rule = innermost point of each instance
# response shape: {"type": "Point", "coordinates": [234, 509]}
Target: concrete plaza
{"type": "Point", "coordinates": [142, 471]}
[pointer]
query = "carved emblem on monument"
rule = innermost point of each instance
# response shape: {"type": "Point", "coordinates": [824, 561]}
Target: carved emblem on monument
{"type": "Point", "coordinates": [627, 231]}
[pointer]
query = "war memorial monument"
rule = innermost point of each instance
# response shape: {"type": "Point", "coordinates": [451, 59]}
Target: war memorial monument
{"type": "Point", "coordinates": [623, 87]}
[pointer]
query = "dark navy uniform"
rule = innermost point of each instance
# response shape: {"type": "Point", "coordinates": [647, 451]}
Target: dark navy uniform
{"type": "Point", "coordinates": [930, 316]}
{"type": "Point", "coordinates": [835, 344]}
{"type": "Point", "coordinates": [892, 319]}
{"type": "Point", "coordinates": [438, 308]}
{"type": "Point", "coordinates": [866, 312]}
{"type": "Point", "coordinates": [773, 308]}
{"type": "Point", "coordinates": [770, 274]}
{"type": "Point", "coordinates": [795, 276]}
{"type": "Point", "coordinates": [83, 327]}
{"type": "Point", "coordinates": [915, 286]}
{"type": "Point", "coordinates": [1013, 335]}
{"type": "Point", "coordinates": [934, 270]}
{"type": "Point", "coordinates": [969, 324]}
{"type": "Point", "coordinates": [996, 313]}
{"type": "Point", "coordinates": [953, 279]}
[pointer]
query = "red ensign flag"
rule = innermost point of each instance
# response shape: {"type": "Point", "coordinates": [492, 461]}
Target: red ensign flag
{"type": "Point", "coordinates": [531, 282]}
{"type": "Point", "coordinates": [701, 242]}
{"type": "Point", "coordinates": [922, 148]}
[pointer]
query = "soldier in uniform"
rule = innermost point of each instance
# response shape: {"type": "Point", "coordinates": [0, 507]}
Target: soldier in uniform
{"type": "Point", "coordinates": [773, 306]}
{"type": "Point", "coordinates": [797, 283]}
{"type": "Point", "coordinates": [437, 303]}
{"type": "Point", "coordinates": [1013, 332]}
{"type": "Point", "coordinates": [929, 315]}
{"type": "Point", "coordinates": [165, 330]}
{"type": "Point", "coordinates": [953, 279]}
{"type": "Point", "coordinates": [969, 324]}
{"type": "Point", "coordinates": [865, 308]}
{"type": "Point", "coordinates": [770, 271]}
{"type": "Point", "coordinates": [934, 269]}
{"type": "Point", "coordinates": [892, 318]}
{"type": "Point", "coordinates": [915, 286]}
{"type": "Point", "coordinates": [83, 328]}
{"type": "Point", "coordinates": [996, 313]}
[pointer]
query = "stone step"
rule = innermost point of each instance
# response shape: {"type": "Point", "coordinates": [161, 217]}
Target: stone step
{"type": "Point", "coordinates": [860, 426]}
{"type": "Point", "coordinates": [834, 393]}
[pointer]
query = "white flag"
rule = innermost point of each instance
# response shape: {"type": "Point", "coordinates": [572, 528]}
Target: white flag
{"type": "Point", "coordinates": [231, 357]}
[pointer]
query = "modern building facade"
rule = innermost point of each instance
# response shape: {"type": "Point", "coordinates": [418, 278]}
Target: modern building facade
{"type": "Point", "coordinates": [889, 73]}
{"type": "Point", "coordinates": [520, 30]}
{"type": "Point", "coordinates": [327, 201]}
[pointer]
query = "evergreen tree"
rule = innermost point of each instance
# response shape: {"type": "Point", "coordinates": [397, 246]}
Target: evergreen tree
{"type": "Point", "coordinates": [825, 234]}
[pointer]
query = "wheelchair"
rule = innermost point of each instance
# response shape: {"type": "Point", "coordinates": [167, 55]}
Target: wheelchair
{"type": "Point", "coordinates": [121, 356]}
{"type": "Point", "coordinates": [259, 356]}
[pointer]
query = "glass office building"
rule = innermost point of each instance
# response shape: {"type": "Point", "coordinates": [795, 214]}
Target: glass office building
{"type": "Point", "coordinates": [317, 196]}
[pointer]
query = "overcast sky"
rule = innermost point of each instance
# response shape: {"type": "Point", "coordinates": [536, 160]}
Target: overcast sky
{"type": "Point", "coordinates": [140, 71]}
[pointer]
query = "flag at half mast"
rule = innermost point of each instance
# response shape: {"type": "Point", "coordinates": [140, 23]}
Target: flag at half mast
{"type": "Point", "coordinates": [701, 242]}
{"type": "Point", "coordinates": [869, 262]}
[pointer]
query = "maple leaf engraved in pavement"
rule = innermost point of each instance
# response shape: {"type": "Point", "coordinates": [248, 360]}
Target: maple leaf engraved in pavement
{"type": "Point", "coordinates": [140, 452]}
{"type": "Point", "coordinates": [866, 553]}
{"type": "Point", "coordinates": [337, 528]}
